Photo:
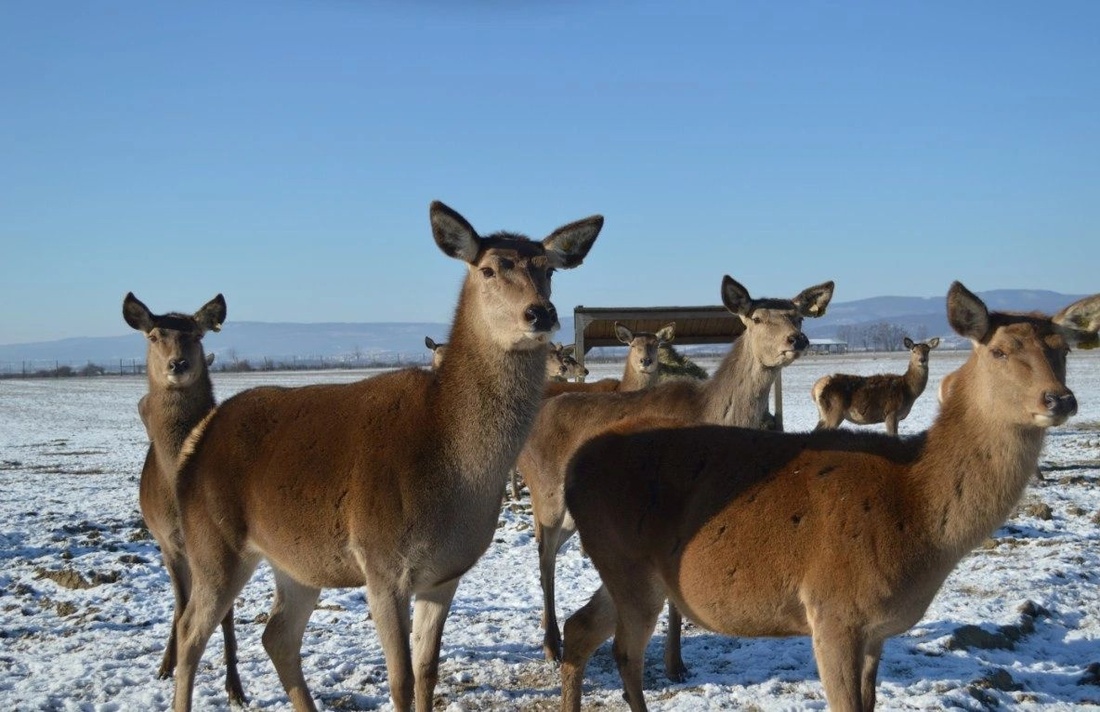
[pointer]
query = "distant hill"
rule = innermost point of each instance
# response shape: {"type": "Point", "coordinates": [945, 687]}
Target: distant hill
{"type": "Point", "coordinates": [925, 317]}
{"type": "Point", "coordinates": [366, 342]}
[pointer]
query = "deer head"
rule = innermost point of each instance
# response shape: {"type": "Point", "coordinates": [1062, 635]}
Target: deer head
{"type": "Point", "coordinates": [175, 356]}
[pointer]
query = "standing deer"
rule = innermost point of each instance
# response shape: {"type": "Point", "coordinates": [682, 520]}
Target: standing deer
{"type": "Point", "coordinates": [737, 394]}
{"type": "Point", "coordinates": [840, 535]}
{"type": "Point", "coordinates": [180, 395]}
{"type": "Point", "coordinates": [640, 371]}
{"type": "Point", "coordinates": [393, 482]}
{"type": "Point", "coordinates": [866, 400]}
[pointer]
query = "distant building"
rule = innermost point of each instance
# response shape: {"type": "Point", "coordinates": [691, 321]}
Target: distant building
{"type": "Point", "coordinates": [828, 346]}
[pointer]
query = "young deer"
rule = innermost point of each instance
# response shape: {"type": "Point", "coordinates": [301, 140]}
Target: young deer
{"type": "Point", "coordinates": [737, 394]}
{"type": "Point", "coordinates": [393, 482]}
{"type": "Point", "coordinates": [841, 535]}
{"type": "Point", "coordinates": [640, 371]}
{"type": "Point", "coordinates": [180, 395]}
{"type": "Point", "coordinates": [882, 398]}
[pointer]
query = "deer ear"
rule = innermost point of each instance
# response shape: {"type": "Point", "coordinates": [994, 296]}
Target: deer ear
{"type": "Point", "coordinates": [735, 297]}
{"type": "Point", "coordinates": [569, 244]}
{"type": "Point", "coordinates": [667, 333]}
{"type": "Point", "coordinates": [212, 315]}
{"type": "Point", "coordinates": [569, 350]}
{"type": "Point", "coordinates": [812, 301]}
{"type": "Point", "coordinates": [456, 237]}
{"type": "Point", "coordinates": [136, 314]}
{"type": "Point", "coordinates": [1080, 321]}
{"type": "Point", "coordinates": [967, 314]}
{"type": "Point", "coordinates": [933, 342]}
{"type": "Point", "coordinates": [623, 334]}
{"type": "Point", "coordinates": [908, 343]}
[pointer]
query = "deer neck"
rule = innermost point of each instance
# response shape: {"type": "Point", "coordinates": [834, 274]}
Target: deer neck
{"type": "Point", "coordinates": [635, 380]}
{"type": "Point", "coordinates": [488, 397]}
{"type": "Point", "coordinates": [738, 392]}
{"type": "Point", "coordinates": [173, 412]}
{"type": "Point", "coordinates": [916, 378]}
{"type": "Point", "coordinates": [972, 472]}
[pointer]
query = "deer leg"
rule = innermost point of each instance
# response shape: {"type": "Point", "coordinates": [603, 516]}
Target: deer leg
{"type": "Point", "coordinates": [550, 542]}
{"type": "Point", "coordinates": [839, 652]}
{"type": "Point", "coordinates": [282, 638]}
{"type": "Point", "coordinates": [638, 603]}
{"type": "Point", "coordinates": [389, 607]}
{"type": "Point", "coordinates": [871, 656]}
{"type": "Point", "coordinates": [180, 578]}
{"type": "Point", "coordinates": [675, 669]}
{"type": "Point", "coordinates": [585, 631]}
{"type": "Point", "coordinates": [892, 424]}
{"type": "Point", "coordinates": [515, 484]}
{"type": "Point", "coordinates": [216, 581]}
{"type": "Point", "coordinates": [232, 678]}
{"type": "Point", "coordinates": [429, 614]}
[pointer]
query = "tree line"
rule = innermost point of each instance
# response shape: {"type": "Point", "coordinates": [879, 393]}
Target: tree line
{"type": "Point", "coordinates": [880, 336]}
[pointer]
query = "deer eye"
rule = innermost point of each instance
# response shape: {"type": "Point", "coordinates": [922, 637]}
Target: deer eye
{"type": "Point", "coordinates": [998, 354]}
{"type": "Point", "coordinates": [757, 320]}
{"type": "Point", "coordinates": [487, 272]}
{"type": "Point", "coordinates": [506, 264]}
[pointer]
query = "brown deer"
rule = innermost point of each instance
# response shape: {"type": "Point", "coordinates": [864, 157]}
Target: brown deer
{"type": "Point", "coordinates": [180, 395]}
{"type": "Point", "coordinates": [640, 371]}
{"type": "Point", "coordinates": [841, 535]}
{"type": "Point", "coordinates": [561, 365]}
{"type": "Point", "coordinates": [438, 350]}
{"type": "Point", "coordinates": [737, 394]}
{"type": "Point", "coordinates": [882, 398]}
{"type": "Point", "coordinates": [393, 482]}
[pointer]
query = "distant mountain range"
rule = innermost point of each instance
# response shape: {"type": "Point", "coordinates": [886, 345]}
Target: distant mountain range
{"type": "Point", "coordinates": [369, 342]}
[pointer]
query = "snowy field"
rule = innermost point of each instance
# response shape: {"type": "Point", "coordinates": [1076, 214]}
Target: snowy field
{"type": "Point", "coordinates": [85, 602]}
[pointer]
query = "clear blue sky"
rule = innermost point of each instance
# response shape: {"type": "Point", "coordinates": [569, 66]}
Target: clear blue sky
{"type": "Point", "coordinates": [285, 153]}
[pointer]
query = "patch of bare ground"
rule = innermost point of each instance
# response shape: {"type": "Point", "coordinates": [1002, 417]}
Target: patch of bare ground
{"type": "Point", "coordinates": [54, 469]}
{"type": "Point", "coordinates": [72, 579]}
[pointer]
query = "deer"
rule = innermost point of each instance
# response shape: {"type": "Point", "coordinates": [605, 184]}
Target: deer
{"type": "Point", "coordinates": [438, 350]}
{"type": "Point", "coordinates": [882, 398]}
{"type": "Point", "coordinates": [842, 535]}
{"type": "Point", "coordinates": [561, 365]}
{"type": "Point", "coordinates": [180, 395]}
{"type": "Point", "coordinates": [393, 482]}
{"type": "Point", "coordinates": [737, 394]}
{"type": "Point", "coordinates": [640, 371]}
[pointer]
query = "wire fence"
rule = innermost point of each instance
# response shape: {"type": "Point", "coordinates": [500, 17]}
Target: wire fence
{"type": "Point", "coordinates": [46, 368]}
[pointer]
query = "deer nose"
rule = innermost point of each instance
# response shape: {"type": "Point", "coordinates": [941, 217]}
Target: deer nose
{"type": "Point", "coordinates": [1060, 404]}
{"type": "Point", "coordinates": [647, 362]}
{"type": "Point", "coordinates": [543, 318]}
{"type": "Point", "coordinates": [798, 341]}
{"type": "Point", "coordinates": [177, 365]}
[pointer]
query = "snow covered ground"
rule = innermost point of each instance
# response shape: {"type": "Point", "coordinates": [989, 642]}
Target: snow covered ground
{"type": "Point", "coordinates": [85, 601]}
